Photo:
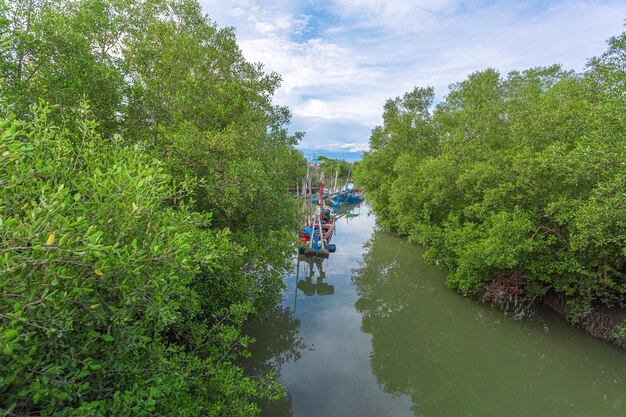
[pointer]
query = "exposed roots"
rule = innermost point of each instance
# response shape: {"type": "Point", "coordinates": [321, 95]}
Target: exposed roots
{"type": "Point", "coordinates": [507, 292]}
{"type": "Point", "coordinates": [601, 322]}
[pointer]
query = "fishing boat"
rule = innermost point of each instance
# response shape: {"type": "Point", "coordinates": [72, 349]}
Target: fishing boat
{"type": "Point", "coordinates": [315, 236]}
{"type": "Point", "coordinates": [348, 196]}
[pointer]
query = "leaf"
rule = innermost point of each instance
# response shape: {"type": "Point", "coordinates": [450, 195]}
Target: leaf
{"type": "Point", "coordinates": [107, 338]}
{"type": "Point", "coordinates": [94, 306]}
{"type": "Point", "coordinates": [98, 272]}
{"type": "Point", "coordinates": [135, 207]}
{"type": "Point", "coordinates": [10, 334]}
{"type": "Point", "coordinates": [50, 240]}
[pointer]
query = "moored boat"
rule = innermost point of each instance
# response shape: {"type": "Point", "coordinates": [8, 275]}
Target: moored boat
{"type": "Point", "coordinates": [315, 236]}
{"type": "Point", "coordinates": [348, 196]}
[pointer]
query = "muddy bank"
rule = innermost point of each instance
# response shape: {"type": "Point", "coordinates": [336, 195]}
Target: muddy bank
{"type": "Point", "coordinates": [602, 322]}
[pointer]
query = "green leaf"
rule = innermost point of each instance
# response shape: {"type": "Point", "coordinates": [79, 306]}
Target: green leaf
{"type": "Point", "coordinates": [10, 334]}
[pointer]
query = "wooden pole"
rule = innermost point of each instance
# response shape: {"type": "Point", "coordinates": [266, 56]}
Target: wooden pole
{"type": "Point", "coordinates": [295, 298]}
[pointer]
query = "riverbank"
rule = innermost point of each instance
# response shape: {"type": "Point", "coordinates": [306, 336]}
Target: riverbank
{"type": "Point", "coordinates": [513, 182]}
{"type": "Point", "coordinates": [602, 322]}
{"type": "Point", "coordinates": [392, 339]}
{"type": "Point", "coordinates": [509, 293]}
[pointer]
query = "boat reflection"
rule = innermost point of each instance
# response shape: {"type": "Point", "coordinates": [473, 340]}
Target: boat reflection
{"type": "Point", "coordinates": [310, 275]}
{"type": "Point", "coordinates": [314, 276]}
{"type": "Point", "coordinates": [348, 211]}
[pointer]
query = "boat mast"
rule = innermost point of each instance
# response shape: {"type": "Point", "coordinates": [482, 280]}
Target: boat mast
{"type": "Point", "coordinates": [321, 208]}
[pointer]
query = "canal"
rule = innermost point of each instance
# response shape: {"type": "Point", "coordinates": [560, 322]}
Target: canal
{"type": "Point", "coordinates": [373, 331]}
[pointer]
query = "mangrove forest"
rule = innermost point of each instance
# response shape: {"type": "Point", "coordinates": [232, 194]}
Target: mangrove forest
{"type": "Point", "coordinates": [138, 229]}
{"type": "Point", "coordinates": [516, 185]}
{"type": "Point", "coordinates": [151, 202]}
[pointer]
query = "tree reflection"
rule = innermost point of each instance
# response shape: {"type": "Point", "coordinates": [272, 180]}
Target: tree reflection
{"type": "Point", "coordinates": [452, 356]}
{"type": "Point", "coordinates": [386, 299]}
{"type": "Point", "coordinates": [278, 341]}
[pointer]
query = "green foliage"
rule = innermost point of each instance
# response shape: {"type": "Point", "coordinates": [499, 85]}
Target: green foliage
{"type": "Point", "coordinates": [55, 51]}
{"type": "Point", "coordinates": [406, 129]}
{"type": "Point", "coordinates": [113, 301]}
{"type": "Point", "coordinates": [140, 230]}
{"type": "Point", "coordinates": [160, 73]}
{"type": "Point", "coordinates": [523, 174]}
{"type": "Point", "coordinates": [332, 166]}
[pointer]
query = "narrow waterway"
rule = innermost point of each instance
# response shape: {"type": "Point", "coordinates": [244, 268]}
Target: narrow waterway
{"type": "Point", "coordinates": [376, 333]}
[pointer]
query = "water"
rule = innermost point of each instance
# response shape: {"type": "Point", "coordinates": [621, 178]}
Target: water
{"type": "Point", "coordinates": [393, 341]}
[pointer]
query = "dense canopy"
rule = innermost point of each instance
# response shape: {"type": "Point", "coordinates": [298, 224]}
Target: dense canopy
{"type": "Point", "coordinates": [144, 209]}
{"type": "Point", "coordinates": [516, 185]}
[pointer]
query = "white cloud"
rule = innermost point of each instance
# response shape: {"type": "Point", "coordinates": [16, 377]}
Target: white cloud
{"type": "Point", "coordinates": [359, 108]}
{"type": "Point", "coordinates": [350, 147]}
{"type": "Point", "coordinates": [276, 24]}
{"type": "Point", "coordinates": [396, 6]}
{"type": "Point", "coordinates": [312, 64]}
{"type": "Point", "coordinates": [341, 60]}
{"type": "Point", "coordinates": [396, 15]}
{"type": "Point", "coordinates": [265, 28]}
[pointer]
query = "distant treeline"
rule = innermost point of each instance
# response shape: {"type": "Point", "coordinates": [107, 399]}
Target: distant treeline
{"type": "Point", "coordinates": [144, 213]}
{"type": "Point", "coordinates": [332, 166]}
{"type": "Point", "coordinates": [516, 185]}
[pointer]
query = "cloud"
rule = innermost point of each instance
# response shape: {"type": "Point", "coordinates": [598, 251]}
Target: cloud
{"type": "Point", "coordinates": [394, 15]}
{"type": "Point", "coordinates": [312, 65]}
{"type": "Point", "coordinates": [341, 59]}
{"type": "Point", "coordinates": [278, 23]}
{"type": "Point", "coordinates": [358, 108]}
{"type": "Point", "coordinates": [350, 147]}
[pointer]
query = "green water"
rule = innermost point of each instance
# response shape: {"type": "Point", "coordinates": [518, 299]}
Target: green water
{"type": "Point", "coordinates": [386, 338]}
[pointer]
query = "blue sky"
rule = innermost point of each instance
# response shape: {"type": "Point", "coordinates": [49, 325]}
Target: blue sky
{"type": "Point", "coordinates": [340, 60]}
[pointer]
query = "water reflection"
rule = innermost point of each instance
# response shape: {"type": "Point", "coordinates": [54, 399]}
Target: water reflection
{"type": "Point", "coordinates": [311, 278]}
{"type": "Point", "coordinates": [454, 357]}
{"type": "Point", "coordinates": [335, 378]}
{"type": "Point", "coordinates": [314, 281]}
{"type": "Point", "coordinates": [348, 211]}
{"type": "Point", "coordinates": [278, 341]}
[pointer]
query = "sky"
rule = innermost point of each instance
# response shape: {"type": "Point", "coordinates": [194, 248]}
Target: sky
{"type": "Point", "coordinates": [340, 60]}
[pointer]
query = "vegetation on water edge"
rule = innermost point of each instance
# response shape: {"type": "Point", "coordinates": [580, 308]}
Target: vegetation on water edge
{"type": "Point", "coordinates": [515, 185]}
{"type": "Point", "coordinates": [141, 160]}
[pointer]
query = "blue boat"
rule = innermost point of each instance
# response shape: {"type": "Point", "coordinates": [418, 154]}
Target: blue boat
{"type": "Point", "coordinates": [348, 196]}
